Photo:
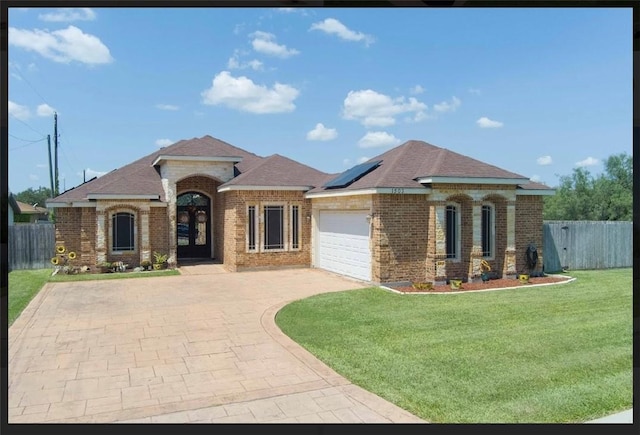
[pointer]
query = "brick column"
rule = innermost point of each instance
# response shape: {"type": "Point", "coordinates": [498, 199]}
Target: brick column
{"type": "Point", "coordinates": [87, 253]}
{"type": "Point", "coordinates": [509, 267]}
{"type": "Point", "coordinates": [145, 248]}
{"type": "Point", "coordinates": [170, 192]}
{"type": "Point", "coordinates": [475, 269]}
{"type": "Point", "coordinates": [441, 246]}
{"type": "Point", "coordinates": [101, 236]}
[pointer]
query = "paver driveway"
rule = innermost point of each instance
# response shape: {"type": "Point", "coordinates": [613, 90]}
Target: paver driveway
{"type": "Point", "coordinates": [200, 347]}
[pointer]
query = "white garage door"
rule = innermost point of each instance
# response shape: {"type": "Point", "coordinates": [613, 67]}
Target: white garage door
{"type": "Point", "coordinates": [343, 243]}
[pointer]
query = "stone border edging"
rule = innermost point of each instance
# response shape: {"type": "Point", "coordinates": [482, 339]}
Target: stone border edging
{"type": "Point", "coordinates": [571, 279]}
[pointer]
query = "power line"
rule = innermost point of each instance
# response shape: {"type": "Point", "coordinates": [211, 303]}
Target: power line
{"type": "Point", "coordinates": [27, 144]}
{"type": "Point", "coordinates": [27, 140]}
{"type": "Point", "coordinates": [17, 119]}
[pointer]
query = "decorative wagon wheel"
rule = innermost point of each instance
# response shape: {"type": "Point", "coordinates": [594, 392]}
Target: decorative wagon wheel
{"type": "Point", "coordinates": [60, 249]}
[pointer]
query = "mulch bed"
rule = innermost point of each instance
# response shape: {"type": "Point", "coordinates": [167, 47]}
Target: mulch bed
{"type": "Point", "coordinates": [491, 284]}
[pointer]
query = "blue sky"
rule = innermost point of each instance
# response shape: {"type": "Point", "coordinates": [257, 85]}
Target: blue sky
{"type": "Point", "coordinates": [534, 91]}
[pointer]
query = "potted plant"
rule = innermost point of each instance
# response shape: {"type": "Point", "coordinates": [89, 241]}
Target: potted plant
{"type": "Point", "coordinates": [456, 283]}
{"type": "Point", "coordinates": [523, 278]}
{"type": "Point", "coordinates": [146, 265]}
{"type": "Point", "coordinates": [422, 286]}
{"type": "Point", "coordinates": [160, 260]}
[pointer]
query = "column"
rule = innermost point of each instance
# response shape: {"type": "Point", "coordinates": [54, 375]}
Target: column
{"type": "Point", "coordinates": [475, 268]}
{"type": "Point", "coordinates": [509, 268]}
{"type": "Point", "coordinates": [441, 246]}
{"type": "Point", "coordinates": [101, 236]}
{"type": "Point", "coordinates": [145, 249]}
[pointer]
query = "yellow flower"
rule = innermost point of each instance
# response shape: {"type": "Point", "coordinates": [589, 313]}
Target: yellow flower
{"type": "Point", "coordinates": [72, 255]}
{"type": "Point", "coordinates": [55, 261]}
{"type": "Point", "coordinates": [60, 249]}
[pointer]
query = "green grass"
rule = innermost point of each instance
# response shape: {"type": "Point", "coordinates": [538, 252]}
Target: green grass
{"type": "Point", "coordinates": [551, 354]}
{"type": "Point", "coordinates": [24, 285]}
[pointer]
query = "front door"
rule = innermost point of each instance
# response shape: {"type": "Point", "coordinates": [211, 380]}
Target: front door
{"type": "Point", "coordinates": [193, 227]}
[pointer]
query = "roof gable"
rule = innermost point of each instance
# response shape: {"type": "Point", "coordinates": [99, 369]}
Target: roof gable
{"type": "Point", "coordinates": [277, 171]}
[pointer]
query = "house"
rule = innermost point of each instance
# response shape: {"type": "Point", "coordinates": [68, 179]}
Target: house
{"type": "Point", "coordinates": [14, 208]}
{"type": "Point", "coordinates": [417, 212]}
{"type": "Point", "coordinates": [32, 213]}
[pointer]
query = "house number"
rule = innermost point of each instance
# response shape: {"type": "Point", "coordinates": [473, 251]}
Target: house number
{"type": "Point", "coordinates": [397, 190]}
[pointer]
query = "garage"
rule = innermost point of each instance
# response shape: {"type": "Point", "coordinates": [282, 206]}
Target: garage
{"type": "Point", "coordinates": [343, 243]}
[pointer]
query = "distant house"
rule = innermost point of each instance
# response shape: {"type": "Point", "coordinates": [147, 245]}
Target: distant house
{"type": "Point", "coordinates": [417, 212]}
{"type": "Point", "coordinates": [31, 213]}
{"type": "Point", "coordinates": [14, 208]}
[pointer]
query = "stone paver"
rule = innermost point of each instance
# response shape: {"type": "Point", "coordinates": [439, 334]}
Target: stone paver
{"type": "Point", "coordinates": [202, 347]}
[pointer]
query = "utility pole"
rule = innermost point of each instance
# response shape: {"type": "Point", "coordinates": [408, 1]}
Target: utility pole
{"type": "Point", "coordinates": [50, 166]}
{"type": "Point", "coordinates": [84, 175]}
{"type": "Point", "coordinates": [55, 141]}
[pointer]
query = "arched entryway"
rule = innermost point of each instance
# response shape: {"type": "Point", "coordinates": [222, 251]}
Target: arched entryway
{"type": "Point", "coordinates": [193, 225]}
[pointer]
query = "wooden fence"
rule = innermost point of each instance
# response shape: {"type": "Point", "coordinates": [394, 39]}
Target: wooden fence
{"type": "Point", "coordinates": [31, 246]}
{"type": "Point", "coordinates": [577, 245]}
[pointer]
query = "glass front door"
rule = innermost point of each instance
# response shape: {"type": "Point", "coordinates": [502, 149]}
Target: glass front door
{"type": "Point", "coordinates": [193, 226]}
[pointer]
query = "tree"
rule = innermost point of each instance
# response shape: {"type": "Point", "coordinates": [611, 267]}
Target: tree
{"type": "Point", "coordinates": [32, 197]}
{"type": "Point", "coordinates": [579, 196]}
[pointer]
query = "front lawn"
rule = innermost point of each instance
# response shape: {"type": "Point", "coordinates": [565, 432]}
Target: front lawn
{"type": "Point", "coordinates": [24, 285]}
{"type": "Point", "coordinates": [552, 354]}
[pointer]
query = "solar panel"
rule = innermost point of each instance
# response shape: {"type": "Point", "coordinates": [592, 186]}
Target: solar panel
{"type": "Point", "coordinates": [351, 175]}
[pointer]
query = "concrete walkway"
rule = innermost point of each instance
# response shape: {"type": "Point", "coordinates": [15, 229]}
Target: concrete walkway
{"type": "Point", "coordinates": [201, 348]}
{"type": "Point", "coordinates": [625, 417]}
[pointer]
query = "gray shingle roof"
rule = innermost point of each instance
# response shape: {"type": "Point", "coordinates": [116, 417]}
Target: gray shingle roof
{"type": "Point", "coordinates": [141, 178]}
{"type": "Point", "coordinates": [404, 164]}
{"type": "Point", "coordinates": [277, 170]}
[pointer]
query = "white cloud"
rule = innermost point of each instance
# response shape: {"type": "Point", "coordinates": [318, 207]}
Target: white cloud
{"type": "Point", "coordinates": [589, 161]}
{"type": "Point", "coordinates": [448, 107]}
{"type": "Point", "coordinates": [33, 177]}
{"type": "Point", "coordinates": [45, 110]}
{"type": "Point", "coordinates": [234, 63]}
{"type": "Point", "coordinates": [41, 165]}
{"type": "Point", "coordinates": [363, 159]}
{"type": "Point", "coordinates": [535, 178]}
{"type": "Point", "coordinates": [485, 122]}
{"type": "Point", "coordinates": [417, 89]}
{"type": "Point", "coordinates": [90, 173]}
{"type": "Point", "coordinates": [167, 107]}
{"type": "Point", "coordinates": [63, 46]}
{"type": "Point", "coordinates": [320, 132]}
{"type": "Point", "coordinates": [264, 43]}
{"type": "Point", "coordinates": [475, 91]}
{"type": "Point", "coordinates": [69, 14]}
{"type": "Point", "coordinates": [335, 27]}
{"type": "Point", "coordinates": [374, 109]}
{"type": "Point", "coordinates": [242, 93]}
{"type": "Point", "coordinates": [544, 160]}
{"type": "Point", "coordinates": [163, 142]}
{"type": "Point", "coordinates": [17, 111]}
{"type": "Point", "coordinates": [16, 76]}
{"type": "Point", "coordinates": [346, 162]}
{"type": "Point", "coordinates": [375, 139]}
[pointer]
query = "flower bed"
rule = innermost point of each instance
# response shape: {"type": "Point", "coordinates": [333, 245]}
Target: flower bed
{"type": "Point", "coordinates": [491, 284]}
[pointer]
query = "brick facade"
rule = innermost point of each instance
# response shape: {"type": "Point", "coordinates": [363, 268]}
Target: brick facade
{"type": "Point", "coordinates": [407, 231]}
{"type": "Point", "coordinates": [236, 253]}
{"type": "Point", "coordinates": [528, 229]}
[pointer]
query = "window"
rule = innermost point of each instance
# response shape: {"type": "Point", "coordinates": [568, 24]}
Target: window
{"type": "Point", "coordinates": [295, 227]}
{"type": "Point", "coordinates": [452, 231]}
{"type": "Point", "coordinates": [251, 231]}
{"type": "Point", "coordinates": [487, 231]}
{"type": "Point", "coordinates": [123, 234]}
{"type": "Point", "coordinates": [273, 227]}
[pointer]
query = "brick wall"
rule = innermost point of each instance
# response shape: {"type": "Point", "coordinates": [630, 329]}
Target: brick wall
{"type": "Point", "coordinates": [68, 233]}
{"type": "Point", "coordinates": [158, 230]}
{"type": "Point", "coordinates": [236, 233]}
{"type": "Point", "coordinates": [400, 236]}
{"type": "Point", "coordinates": [528, 229]}
{"type": "Point", "coordinates": [232, 203]}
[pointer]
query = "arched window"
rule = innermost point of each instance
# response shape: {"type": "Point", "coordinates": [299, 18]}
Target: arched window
{"type": "Point", "coordinates": [123, 232]}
